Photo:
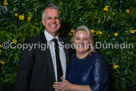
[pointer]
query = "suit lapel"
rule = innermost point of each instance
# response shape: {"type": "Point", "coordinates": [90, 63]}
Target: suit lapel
{"type": "Point", "coordinates": [67, 60]}
{"type": "Point", "coordinates": [47, 57]}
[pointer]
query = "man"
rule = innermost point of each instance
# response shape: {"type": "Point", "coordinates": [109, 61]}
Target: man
{"type": "Point", "coordinates": [37, 69]}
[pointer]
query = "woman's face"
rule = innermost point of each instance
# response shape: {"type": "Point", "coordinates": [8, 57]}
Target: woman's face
{"type": "Point", "coordinates": [81, 41]}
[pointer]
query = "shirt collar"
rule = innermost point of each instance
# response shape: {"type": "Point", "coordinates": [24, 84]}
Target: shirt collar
{"type": "Point", "coordinates": [48, 36]}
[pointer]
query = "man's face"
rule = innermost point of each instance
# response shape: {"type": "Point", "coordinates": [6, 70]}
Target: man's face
{"type": "Point", "coordinates": [51, 21]}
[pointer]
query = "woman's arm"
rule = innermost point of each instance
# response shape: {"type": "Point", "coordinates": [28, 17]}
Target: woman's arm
{"type": "Point", "coordinates": [67, 86]}
{"type": "Point", "coordinates": [100, 74]}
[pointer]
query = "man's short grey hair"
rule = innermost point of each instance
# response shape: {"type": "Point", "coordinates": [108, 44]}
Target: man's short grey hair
{"type": "Point", "coordinates": [86, 29]}
{"type": "Point", "coordinates": [51, 6]}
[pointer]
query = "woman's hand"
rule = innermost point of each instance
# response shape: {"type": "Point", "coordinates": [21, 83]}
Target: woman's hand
{"type": "Point", "coordinates": [65, 85]}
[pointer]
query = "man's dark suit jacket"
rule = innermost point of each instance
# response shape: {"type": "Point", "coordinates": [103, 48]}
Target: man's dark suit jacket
{"type": "Point", "coordinates": [35, 68]}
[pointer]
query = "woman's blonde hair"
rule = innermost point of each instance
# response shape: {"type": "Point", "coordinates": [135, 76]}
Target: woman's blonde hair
{"type": "Point", "coordinates": [86, 29]}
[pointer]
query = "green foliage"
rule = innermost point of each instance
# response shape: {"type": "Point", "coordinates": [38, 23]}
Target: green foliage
{"type": "Point", "coordinates": [74, 13]}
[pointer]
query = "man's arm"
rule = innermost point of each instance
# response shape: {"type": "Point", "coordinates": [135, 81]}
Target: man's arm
{"type": "Point", "coordinates": [25, 67]}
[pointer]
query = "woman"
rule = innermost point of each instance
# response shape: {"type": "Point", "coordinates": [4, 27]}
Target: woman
{"type": "Point", "coordinates": [88, 70]}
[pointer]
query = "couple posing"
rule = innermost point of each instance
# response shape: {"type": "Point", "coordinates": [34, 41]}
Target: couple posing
{"type": "Point", "coordinates": [59, 69]}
